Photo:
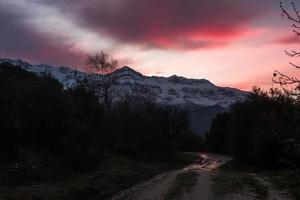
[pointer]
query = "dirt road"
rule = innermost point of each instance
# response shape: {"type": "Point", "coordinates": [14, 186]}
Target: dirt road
{"type": "Point", "coordinates": [203, 181]}
{"type": "Point", "coordinates": [158, 187]}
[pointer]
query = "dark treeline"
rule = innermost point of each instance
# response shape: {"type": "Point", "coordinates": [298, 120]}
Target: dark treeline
{"type": "Point", "coordinates": [264, 130]}
{"type": "Point", "coordinates": [37, 114]}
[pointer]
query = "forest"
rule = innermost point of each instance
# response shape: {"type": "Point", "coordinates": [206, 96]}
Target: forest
{"type": "Point", "coordinates": [263, 130]}
{"type": "Point", "coordinates": [37, 113]}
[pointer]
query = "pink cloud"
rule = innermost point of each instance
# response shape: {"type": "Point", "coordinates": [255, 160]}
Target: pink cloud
{"type": "Point", "coordinates": [173, 24]}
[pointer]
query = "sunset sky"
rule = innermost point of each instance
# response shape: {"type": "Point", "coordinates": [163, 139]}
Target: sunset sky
{"type": "Point", "coordinates": [235, 43]}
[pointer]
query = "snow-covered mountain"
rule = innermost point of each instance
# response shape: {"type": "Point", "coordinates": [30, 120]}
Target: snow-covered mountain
{"type": "Point", "coordinates": [199, 97]}
{"type": "Point", "coordinates": [180, 90]}
{"type": "Point", "coordinates": [166, 90]}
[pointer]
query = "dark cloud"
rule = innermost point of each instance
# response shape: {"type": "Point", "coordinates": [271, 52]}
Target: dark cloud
{"type": "Point", "coordinates": [166, 23]}
{"type": "Point", "coordinates": [20, 40]}
{"type": "Point", "coordinates": [171, 24]}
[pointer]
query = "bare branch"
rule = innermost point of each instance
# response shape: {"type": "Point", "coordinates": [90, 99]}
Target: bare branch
{"type": "Point", "coordinates": [292, 53]}
{"type": "Point", "coordinates": [103, 65]}
{"type": "Point", "coordinates": [296, 32]}
{"type": "Point", "coordinates": [288, 15]}
{"type": "Point", "coordinates": [293, 65]}
{"type": "Point", "coordinates": [290, 84]}
{"type": "Point", "coordinates": [295, 10]}
{"type": "Point", "coordinates": [295, 26]}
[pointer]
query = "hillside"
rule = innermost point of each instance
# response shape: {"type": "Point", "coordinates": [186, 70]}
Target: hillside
{"type": "Point", "coordinates": [200, 97]}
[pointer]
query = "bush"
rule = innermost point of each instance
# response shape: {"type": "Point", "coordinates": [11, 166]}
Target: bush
{"type": "Point", "coordinates": [261, 130]}
{"type": "Point", "coordinates": [145, 130]}
{"type": "Point", "coordinates": [37, 113]}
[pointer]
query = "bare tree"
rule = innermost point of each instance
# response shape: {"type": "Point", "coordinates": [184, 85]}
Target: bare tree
{"type": "Point", "coordinates": [290, 84]}
{"type": "Point", "coordinates": [104, 65]}
{"type": "Point", "coordinates": [178, 122]}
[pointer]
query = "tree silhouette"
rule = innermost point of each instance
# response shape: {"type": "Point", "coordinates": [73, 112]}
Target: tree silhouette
{"type": "Point", "coordinates": [104, 65]}
{"type": "Point", "coordinates": [290, 84]}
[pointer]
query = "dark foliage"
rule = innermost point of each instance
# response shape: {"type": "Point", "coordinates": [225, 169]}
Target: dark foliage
{"type": "Point", "coordinates": [217, 137]}
{"type": "Point", "coordinates": [38, 115]}
{"type": "Point", "coordinates": [189, 142]}
{"type": "Point", "coordinates": [263, 130]}
{"type": "Point", "coordinates": [147, 130]}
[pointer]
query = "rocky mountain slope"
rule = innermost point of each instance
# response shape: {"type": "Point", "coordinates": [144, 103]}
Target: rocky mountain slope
{"type": "Point", "coordinates": [166, 90]}
{"type": "Point", "coordinates": [200, 97]}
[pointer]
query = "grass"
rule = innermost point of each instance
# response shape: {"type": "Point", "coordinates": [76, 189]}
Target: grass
{"type": "Point", "coordinates": [237, 183]}
{"type": "Point", "coordinates": [183, 183]}
{"type": "Point", "coordinates": [233, 179]}
{"type": "Point", "coordinates": [120, 173]}
{"type": "Point", "coordinates": [110, 177]}
{"type": "Point", "coordinates": [286, 180]}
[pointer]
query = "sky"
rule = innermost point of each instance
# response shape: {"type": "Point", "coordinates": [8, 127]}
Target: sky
{"type": "Point", "coordinates": [232, 43]}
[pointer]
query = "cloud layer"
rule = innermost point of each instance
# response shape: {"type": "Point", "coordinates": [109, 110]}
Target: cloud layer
{"type": "Point", "coordinates": [214, 39]}
{"type": "Point", "coordinates": [174, 24]}
{"type": "Point", "coordinates": [20, 40]}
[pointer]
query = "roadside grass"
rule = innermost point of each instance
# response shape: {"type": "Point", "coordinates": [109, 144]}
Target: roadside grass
{"type": "Point", "coordinates": [232, 178]}
{"type": "Point", "coordinates": [111, 176]}
{"type": "Point", "coordinates": [286, 180]}
{"type": "Point", "coordinates": [120, 173]}
{"type": "Point", "coordinates": [226, 183]}
{"type": "Point", "coordinates": [183, 183]}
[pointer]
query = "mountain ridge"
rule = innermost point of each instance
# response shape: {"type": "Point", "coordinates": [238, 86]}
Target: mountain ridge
{"type": "Point", "coordinates": [167, 90]}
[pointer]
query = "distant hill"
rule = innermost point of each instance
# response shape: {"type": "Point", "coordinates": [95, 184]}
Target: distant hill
{"type": "Point", "coordinates": [202, 99]}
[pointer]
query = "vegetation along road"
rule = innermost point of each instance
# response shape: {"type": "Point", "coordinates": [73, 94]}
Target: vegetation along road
{"type": "Point", "coordinates": [205, 180]}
